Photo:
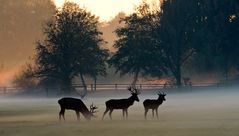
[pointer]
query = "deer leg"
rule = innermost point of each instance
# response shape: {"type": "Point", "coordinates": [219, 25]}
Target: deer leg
{"type": "Point", "coordinates": [78, 115]}
{"type": "Point", "coordinates": [123, 112]}
{"type": "Point", "coordinates": [105, 113]}
{"type": "Point", "coordinates": [62, 114]}
{"type": "Point", "coordinates": [126, 111]}
{"type": "Point", "coordinates": [111, 110]}
{"type": "Point", "coordinates": [153, 112]}
{"type": "Point", "coordinates": [145, 113]}
{"type": "Point", "coordinates": [157, 113]}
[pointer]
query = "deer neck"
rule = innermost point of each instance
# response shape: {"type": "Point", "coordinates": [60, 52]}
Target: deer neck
{"type": "Point", "coordinates": [131, 100]}
{"type": "Point", "coordinates": [87, 114]}
{"type": "Point", "coordinates": [160, 100]}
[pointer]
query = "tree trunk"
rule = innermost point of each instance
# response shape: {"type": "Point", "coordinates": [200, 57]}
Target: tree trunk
{"type": "Point", "coordinates": [84, 85]}
{"type": "Point", "coordinates": [178, 77]}
{"type": "Point", "coordinates": [226, 74]}
{"type": "Point", "coordinates": [95, 83]}
{"type": "Point", "coordinates": [226, 68]}
{"type": "Point", "coordinates": [135, 78]}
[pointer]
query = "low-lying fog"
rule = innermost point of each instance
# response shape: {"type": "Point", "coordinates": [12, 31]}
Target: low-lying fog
{"type": "Point", "coordinates": [197, 112]}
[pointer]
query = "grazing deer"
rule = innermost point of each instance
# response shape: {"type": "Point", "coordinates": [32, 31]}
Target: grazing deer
{"type": "Point", "coordinates": [78, 106]}
{"type": "Point", "coordinates": [122, 103]}
{"type": "Point", "coordinates": [153, 104]}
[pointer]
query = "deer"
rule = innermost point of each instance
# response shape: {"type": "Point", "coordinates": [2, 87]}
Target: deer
{"type": "Point", "coordinates": [68, 103]}
{"type": "Point", "coordinates": [123, 104]}
{"type": "Point", "coordinates": [153, 104]}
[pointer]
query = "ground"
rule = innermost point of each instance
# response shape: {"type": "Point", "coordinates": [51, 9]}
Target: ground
{"type": "Point", "coordinates": [200, 113]}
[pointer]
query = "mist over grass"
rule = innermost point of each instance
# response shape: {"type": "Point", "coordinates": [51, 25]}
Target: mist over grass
{"type": "Point", "coordinates": [196, 113]}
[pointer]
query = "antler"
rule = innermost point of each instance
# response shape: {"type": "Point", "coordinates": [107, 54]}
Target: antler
{"type": "Point", "coordinates": [93, 108]}
{"type": "Point", "coordinates": [134, 90]}
{"type": "Point", "coordinates": [130, 89]}
{"type": "Point", "coordinates": [159, 93]}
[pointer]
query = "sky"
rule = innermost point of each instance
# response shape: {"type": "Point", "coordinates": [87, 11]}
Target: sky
{"type": "Point", "coordinates": [105, 9]}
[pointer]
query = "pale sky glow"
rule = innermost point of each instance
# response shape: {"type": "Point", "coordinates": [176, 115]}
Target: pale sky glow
{"type": "Point", "coordinates": [105, 9]}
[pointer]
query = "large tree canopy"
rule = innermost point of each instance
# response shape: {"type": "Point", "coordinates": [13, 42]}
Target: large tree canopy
{"type": "Point", "coordinates": [222, 33]}
{"type": "Point", "coordinates": [134, 45]}
{"type": "Point", "coordinates": [71, 47]}
{"type": "Point", "coordinates": [178, 33]}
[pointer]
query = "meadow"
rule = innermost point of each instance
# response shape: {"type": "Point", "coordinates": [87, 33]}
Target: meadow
{"type": "Point", "coordinates": [201, 113]}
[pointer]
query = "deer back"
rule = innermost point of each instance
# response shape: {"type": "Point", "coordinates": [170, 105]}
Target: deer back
{"type": "Point", "coordinates": [120, 103]}
{"type": "Point", "coordinates": [73, 104]}
{"type": "Point", "coordinates": [151, 103]}
{"type": "Point", "coordinates": [154, 103]}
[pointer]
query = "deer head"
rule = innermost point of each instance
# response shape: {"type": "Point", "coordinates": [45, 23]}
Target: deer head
{"type": "Point", "coordinates": [134, 92]}
{"type": "Point", "coordinates": [93, 108]}
{"type": "Point", "coordinates": [91, 112]}
{"type": "Point", "coordinates": [161, 95]}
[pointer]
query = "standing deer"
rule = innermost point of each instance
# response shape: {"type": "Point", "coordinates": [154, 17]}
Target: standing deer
{"type": "Point", "coordinates": [78, 106]}
{"type": "Point", "coordinates": [153, 104]}
{"type": "Point", "coordinates": [122, 103]}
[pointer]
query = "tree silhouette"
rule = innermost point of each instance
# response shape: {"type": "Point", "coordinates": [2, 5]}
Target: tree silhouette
{"type": "Point", "coordinates": [223, 32]}
{"type": "Point", "coordinates": [134, 45]}
{"type": "Point", "coordinates": [71, 47]}
{"type": "Point", "coordinates": [180, 23]}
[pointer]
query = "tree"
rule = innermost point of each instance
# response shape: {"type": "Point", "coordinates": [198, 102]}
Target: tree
{"type": "Point", "coordinates": [97, 64]}
{"type": "Point", "coordinates": [222, 26]}
{"type": "Point", "coordinates": [218, 37]}
{"type": "Point", "coordinates": [134, 45]}
{"type": "Point", "coordinates": [71, 47]}
{"type": "Point", "coordinates": [179, 33]}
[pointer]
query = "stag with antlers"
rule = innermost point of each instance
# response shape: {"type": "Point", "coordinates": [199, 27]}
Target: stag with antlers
{"type": "Point", "coordinates": [123, 104]}
{"type": "Point", "coordinates": [78, 106]}
{"type": "Point", "coordinates": [153, 104]}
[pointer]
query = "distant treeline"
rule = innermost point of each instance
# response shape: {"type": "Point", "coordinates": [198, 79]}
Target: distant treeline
{"type": "Point", "coordinates": [153, 41]}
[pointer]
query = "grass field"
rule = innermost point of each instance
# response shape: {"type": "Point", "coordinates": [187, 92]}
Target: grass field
{"type": "Point", "coordinates": [183, 114]}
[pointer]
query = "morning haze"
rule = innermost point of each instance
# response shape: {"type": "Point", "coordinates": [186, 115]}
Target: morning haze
{"type": "Point", "coordinates": [138, 70]}
{"type": "Point", "coordinates": [19, 33]}
{"type": "Point", "coordinates": [20, 27]}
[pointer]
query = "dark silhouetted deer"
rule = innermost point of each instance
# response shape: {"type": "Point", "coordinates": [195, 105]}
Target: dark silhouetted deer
{"type": "Point", "coordinates": [78, 106]}
{"type": "Point", "coordinates": [153, 104]}
{"type": "Point", "coordinates": [122, 103]}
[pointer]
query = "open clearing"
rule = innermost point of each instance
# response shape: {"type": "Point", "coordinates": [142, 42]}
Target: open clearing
{"type": "Point", "coordinates": [204, 113]}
